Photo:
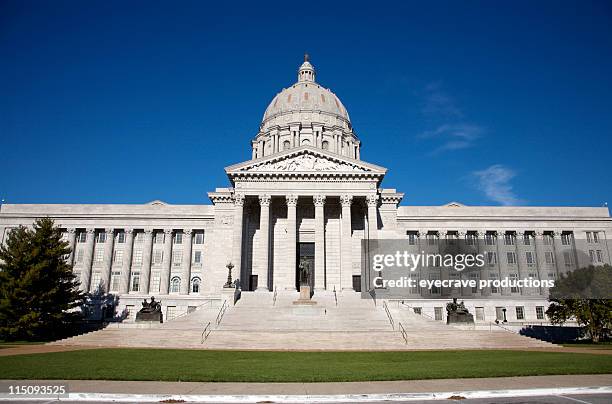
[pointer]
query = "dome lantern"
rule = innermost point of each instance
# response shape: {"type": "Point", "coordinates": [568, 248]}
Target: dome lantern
{"type": "Point", "coordinates": [306, 71]}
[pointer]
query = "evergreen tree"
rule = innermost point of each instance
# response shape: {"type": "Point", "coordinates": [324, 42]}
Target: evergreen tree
{"type": "Point", "coordinates": [39, 295]}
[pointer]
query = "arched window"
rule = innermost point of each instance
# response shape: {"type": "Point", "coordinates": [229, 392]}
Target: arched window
{"type": "Point", "coordinates": [195, 285]}
{"type": "Point", "coordinates": [286, 145]}
{"type": "Point", "coordinates": [325, 145]}
{"type": "Point", "coordinates": [306, 142]}
{"type": "Point", "coordinates": [175, 285]}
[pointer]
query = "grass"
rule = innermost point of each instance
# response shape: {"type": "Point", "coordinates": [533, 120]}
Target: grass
{"type": "Point", "coordinates": [241, 366]}
{"type": "Point", "coordinates": [590, 345]}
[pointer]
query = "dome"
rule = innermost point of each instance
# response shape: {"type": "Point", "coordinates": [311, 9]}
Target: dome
{"type": "Point", "coordinates": [305, 96]}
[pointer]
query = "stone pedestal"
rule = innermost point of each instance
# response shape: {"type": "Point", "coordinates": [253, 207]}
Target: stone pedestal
{"type": "Point", "coordinates": [305, 296]}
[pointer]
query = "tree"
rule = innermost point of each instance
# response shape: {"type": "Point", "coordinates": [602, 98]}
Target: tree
{"type": "Point", "coordinates": [584, 295]}
{"type": "Point", "coordinates": [39, 295]}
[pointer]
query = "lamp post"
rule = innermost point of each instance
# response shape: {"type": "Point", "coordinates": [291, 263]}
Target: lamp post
{"type": "Point", "coordinates": [229, 282]}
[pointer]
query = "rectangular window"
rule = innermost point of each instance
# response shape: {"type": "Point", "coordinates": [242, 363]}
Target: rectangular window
{"type": "Point", "coordinates": [474, 277]}
{"type": "Point", "coordinates": [158, 256]}
{"type": "Point", "coordinates": [177, 258]}
{"type": "Point", "coordinates": [494, 289]}
{"type": "Point", "coordinates": [470, 239]}
{"type": "Point", "coordinates": [547, 239]}
{"type": "Point", "coordinates": [432, 239]}
{"type": "Point", "coordinates": [592, 256]}
{"type": "Point", "coordinates": [540, 312]}
{"type": "Point", "coordinates": [197, 257]}
{"type": "Point", "coordinates": [130, 311]}
{"type": "Point", "coordinates": [82, 237]}
{"type": "Point", "coordinates": [417, 310]}
{"type": "Point", "coordinates": [566, 239]}
{"type": "Point", "coordinates": [489, 239]}
{"type": "Point", "coordinates": [599, 256]}
{"type": "Point", "coordinates": [529, 258]}
{"type": "Point", "coordinates": [438, 313]}
{"type": "Point", "coordinates": [115, 280]}
{"type": "Point", "coordinates": [155, 282]}
{"type": "Point", "coordinates": [118, 258]}
{"type": "Point", "coordinates": [159, 237]}
{"type": "Point", "coordinates": [99, 255]}
{"type": "Point", "coordinates": [451, 238]}
{"type": "Point", "coordinates": [511, 257]}
{"type": "Point", "coordinates": [549, 257]}
{"type": "Point", "coordinates": [135, 281]}
{"type": "Point", "coordinates": [509, 239]}
{"type": "Point", "coordinates": [526, 239]}
{"type": "Point", "coordinates": [491, 258]}
{"type": "Point", "coordinates": [198, 238]}
{"type": "Point", "coordinates": [412, 238]}
{"type": "Point", "coordinates": [480, 315]}
{"type": "Point", "coordinates": [121, 237]}
{"type": "Point", "coordinates": [137, 259]}
{"type": "Point", "coordinates": [96, 278]}
{"type": "Point", "coordinates": [139, 238]}
{"type": "Point", "coordinates": [520, 313]}
{"type": "Point", "coordinates": [568, 259]}
{"type": "Point", "coordinates": [171, 312]}
{"type": "Point", "coordinates": [435, 290]}
{"type": "Point", "coordinates": [101, 237]}
{"type": "Point", "coordinates": [513, 278]}
{"type": "Point", "coordinates": [178, 238]}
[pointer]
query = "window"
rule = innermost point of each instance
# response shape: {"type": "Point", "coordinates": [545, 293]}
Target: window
{"type": "Point", "coordinates": [511, 257]}
{"type": "Point", "coordinates": [599, 256]}
{"type": "Point", "coordinates": [412, 238]}
{"type": "Point", "coordinates": [547, 239]}
{"type": "Point", "coordinates": [96, 278]}
{"type": "Point", "coordinates": [435, 290]}
{"type": "Point", "coordinates": [197, 257]}
{"type": "Point", "coordinates": [155, 282]}
{"type": "Point", "coordinates": [81, 237]}
{"type": "Point", "coordinates": [159, 237]}
{"type": "Point", "coordinates": [529, 258]}
{"type": "Point", "coordinates": [101, 237]}
{"type": "Point", "coordinates": [178, 238]}
{"type": "Point", "coordinates": [115, 281]}
{"type": "Point", "coordinates": [513, 278]}
{"type": "Point", "coordinates": [418, 310]}
{"type": "Point", "coordinates": [177, 258]}
{"type": "Point", "coordinates": [137, 259]}
{"type": "Point", "coordinates": [129, 311]}
{"type": "Point", "coordinates": [158, 256]}
{"type": "Point", "coordinates": [135, 281]}
{"type": "Point", "coordinates": [526, 239]}
{"type": "Point", "coordinates": [549, 257]}
{"type": "Point", "coordinates": [139, 238]}
{"type": "Point", "coordinates": [592, 237]}
{"type": "Point", "coordinates": [171, 312]}
{"type": "Point", "coordinates": [195, 285]}
{"type": "Point", "coordinates": [540, 312]}
{"type": "Point", "coordinates": [470, 239]}
{"type": "Point", "coordinates": [438, 313]}
{"type": "Point", "coordinates": [432, 239]}
{"type": "Point", "coordinates": [325, 145]}
{"type": "Point", "coordinates": [118, 258]}
{"type": "Point", "coordinates": [79, 255]}
{"type": "Point", "coordinates": [491, 258]}
{"type": "Point", "coordinates": [493, 277]}
{"type": "Point", "coordinates": [199, 238]}
{"type": "Point", "coordinates": [509, 239]}
{"type": "Point", "coordinates": [595, 237]}
{"type": "Point", "coordinates": [474, 277]}
{"type": "Point", "coordinates": [489, 239]}
{"type": "Point", "coordinates": [121, 237]}
{"type": "Point", "coordinates": [451, 238]}
{"type": "Point", "coordinates": [520, 313]}
{"type": "Point", "coordinates": [568, 259]}
{"type": "Point", "coordinates": [175, 285]}
{"type": "Point", "coordinates": [566, 239]}
{"type": "Point", "coordinates": [99, 255]}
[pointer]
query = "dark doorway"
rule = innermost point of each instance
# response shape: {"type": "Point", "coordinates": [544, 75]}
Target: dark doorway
{"type": "Point", "coordinates": [305, 266]}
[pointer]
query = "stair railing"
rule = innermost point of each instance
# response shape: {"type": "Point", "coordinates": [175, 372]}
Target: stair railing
{"type": "Point", "coordinates": [207, 302]}
{"type": "Point", "coordinates": [421, 314]}
{"type": "Point", "coordinates": [491, 324]}
{"type": "Point", "coordinates": [389, 314]}
{"type": "Point", "coordinates": [403, 332]}
{"type": "Point", "coordinates": [221, 312]}
{"type": "Point", "coordinates": [335, 296]}
{"type": "Point", "coordinates": [206, 333]}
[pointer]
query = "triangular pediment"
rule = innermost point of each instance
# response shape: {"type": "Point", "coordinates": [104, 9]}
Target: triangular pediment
{"type": "Point", "coordinates": [306, 160]}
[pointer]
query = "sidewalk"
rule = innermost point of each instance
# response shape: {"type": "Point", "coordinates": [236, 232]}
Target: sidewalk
{"type": "Point", "coordinates": [386, 387]}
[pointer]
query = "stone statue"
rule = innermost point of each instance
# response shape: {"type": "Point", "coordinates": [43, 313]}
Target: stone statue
{"type": "Point", "coordinates": [150, 311]}
{"type": "Point", "coordinates": [458, 313]}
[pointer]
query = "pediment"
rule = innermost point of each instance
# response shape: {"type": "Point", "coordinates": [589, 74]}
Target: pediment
{"type": "Point", "coordinates": [306, 160]}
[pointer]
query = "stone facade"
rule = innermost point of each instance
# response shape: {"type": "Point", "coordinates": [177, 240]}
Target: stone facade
{"type": "Point", "coordinates": [305, 185]}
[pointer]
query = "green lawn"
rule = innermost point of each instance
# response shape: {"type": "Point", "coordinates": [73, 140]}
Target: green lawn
{"type": "Point", "coordinates": [239, 366]}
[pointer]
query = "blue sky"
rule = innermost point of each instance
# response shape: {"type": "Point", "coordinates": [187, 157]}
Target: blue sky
{"type": "Point", "coordinates": [485, 103]}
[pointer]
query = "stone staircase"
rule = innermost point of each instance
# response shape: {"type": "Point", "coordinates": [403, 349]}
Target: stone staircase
{"type": "Point", "coordinates": [261, 321]}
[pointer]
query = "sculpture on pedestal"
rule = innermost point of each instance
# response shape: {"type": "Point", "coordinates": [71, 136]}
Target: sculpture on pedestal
{"type": "Point", "coordinates": [458, 313]}
{"type": "Point", "coordinates": [151, 311]}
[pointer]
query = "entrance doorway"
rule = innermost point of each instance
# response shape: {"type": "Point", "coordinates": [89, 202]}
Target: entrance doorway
{"type": "Point", "coordinates": [304, 275]}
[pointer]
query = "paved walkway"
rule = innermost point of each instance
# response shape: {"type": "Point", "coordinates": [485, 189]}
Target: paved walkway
{"type": "Point", "coordinates": [388, 387]}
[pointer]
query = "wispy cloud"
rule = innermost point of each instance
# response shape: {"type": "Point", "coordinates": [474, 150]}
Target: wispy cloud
{"type": "Point", "coordinates": [437, 102]}
{"type": "Point", "coordinates": [494, 181]}
{"type": "Point", "coordinates": [453, 136]}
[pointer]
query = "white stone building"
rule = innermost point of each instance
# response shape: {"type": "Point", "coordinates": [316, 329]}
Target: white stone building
{"type": "Point", "coordinates": [306, 195]}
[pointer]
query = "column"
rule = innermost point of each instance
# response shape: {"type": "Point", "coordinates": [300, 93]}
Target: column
{"type": "Point", "coordinates": [87, 260]}
{"type": "Point", "coordinates": [71, 244]}
{"type": "Point", "coordinates": [319, 203]}
{"type": "Point", "coordinates": [164, 282]}
{"type": "Point", "coordinates": [346, 272]}
{"type": "Point", "coordinates": [126, 264]}
{"type": "Point", "coordinates": [237, 245]}
{"type": "Point", "coordinates": [108, 259]}
{"type": "Point", "coordinates": [145, 272]}
{"type": "Point", "coordinates": [264, 245]}
{"type": "Point", "coordinates": [186, 269]}
{"type": "Point", "coordinates": [372, 201]}
{"type": "Point", "coordinates": [291, 239]}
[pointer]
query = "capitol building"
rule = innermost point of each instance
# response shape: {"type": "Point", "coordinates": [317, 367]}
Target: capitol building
{"type": "Point", "coordinates": [306, 196]}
